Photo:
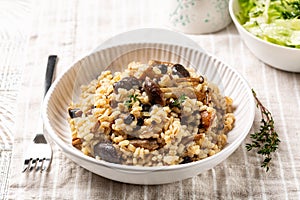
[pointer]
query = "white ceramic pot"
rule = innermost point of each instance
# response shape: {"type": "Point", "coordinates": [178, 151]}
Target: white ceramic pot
{"type": "Point", "coordinates": [198, 16]}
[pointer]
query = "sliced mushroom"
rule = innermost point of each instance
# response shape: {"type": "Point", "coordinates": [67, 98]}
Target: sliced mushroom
{"type": "Point", "coordinates": [180, 70]}
{"type": "Point", "coordinates": [149, 73]}
{"type": "Point", "coordinates": [186, 159]}
{"type": "Point", "coordinates": [186, 140]}
{"type": "Point", "coordinates": [207, 97]}
{"type": "Point", "coordinates": [146, 144]}
{"type": "Point", "coordinates": [146, 107]}
{"type": "Point", "coordinates": [162, 66]}
{"type": "Point", "coordinates": [148, 134]}
{"type": "Point", "coordinates": [107, 152]}
{"type": "Point", "coordinates": [177, 92]}
{"type": "Point", "coordinates": [127, 83]}
{"type": "Point", "coordinates": [75, 112]}
{"type": "Point", "coordinates": [206, 119]}
{"type": "Point", "coordinates": [154, 92]}
{"type": "Point", "coordinates": [192, 80]}
{"type": "Point", "coordinates": [95, 127]}
{"type": "Point", "coordinates": [199, 136]}
{"type": "Point", "coordinates": [130, 118]}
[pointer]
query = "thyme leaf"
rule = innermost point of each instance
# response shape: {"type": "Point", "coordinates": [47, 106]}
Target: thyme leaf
{"type": "Point", "coordinates": [132, 99]}
{"type": "Point", "coordinates": [179, 101]}
{"type": "Point", "coordinates": [266, 140]}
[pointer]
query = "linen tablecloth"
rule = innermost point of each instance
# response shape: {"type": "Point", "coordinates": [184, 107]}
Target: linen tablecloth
{"type": "Point", "coordinates": [31, 30]}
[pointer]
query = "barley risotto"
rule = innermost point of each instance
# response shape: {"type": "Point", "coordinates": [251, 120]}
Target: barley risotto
{"type": "Point", "coordinates": [151, 114]}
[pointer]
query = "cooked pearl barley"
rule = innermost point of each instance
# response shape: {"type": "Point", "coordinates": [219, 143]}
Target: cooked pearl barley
{"type": "Point", "coordinates": [162, 134]}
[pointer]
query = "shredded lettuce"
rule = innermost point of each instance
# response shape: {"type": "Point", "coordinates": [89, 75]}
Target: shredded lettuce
{"type": "Point", "coordinates": [276, 21]}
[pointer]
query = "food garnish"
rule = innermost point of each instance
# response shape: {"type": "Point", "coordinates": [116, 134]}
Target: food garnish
{"type": "Point", "coordinates": [179, 101]}
{"type": "Point", "coordinates": [132, 99]}
{"type": "Point", "coordinates": [266, 140]}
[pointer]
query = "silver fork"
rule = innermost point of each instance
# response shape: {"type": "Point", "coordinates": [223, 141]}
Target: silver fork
{"type": "Point", "coordinates": [39, 154]}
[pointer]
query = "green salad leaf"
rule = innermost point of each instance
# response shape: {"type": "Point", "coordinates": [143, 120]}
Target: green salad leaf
{"type": "Point", "coordinates": [276, 21]}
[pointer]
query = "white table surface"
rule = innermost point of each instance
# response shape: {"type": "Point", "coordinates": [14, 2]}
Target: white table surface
{"type": "Point", "coordinates": [30, 30]}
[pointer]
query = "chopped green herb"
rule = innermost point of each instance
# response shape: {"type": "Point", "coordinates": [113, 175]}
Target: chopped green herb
{"type": "Point", "coordinates": [179, 101]}
{"type": "Point", "coordinates": [132, 99]}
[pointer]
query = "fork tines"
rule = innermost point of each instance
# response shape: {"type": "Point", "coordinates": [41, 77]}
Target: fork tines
{"type": "Point", "coordinates": [37, 164]}
{"type": "Point", "coordinates": [34, 158]}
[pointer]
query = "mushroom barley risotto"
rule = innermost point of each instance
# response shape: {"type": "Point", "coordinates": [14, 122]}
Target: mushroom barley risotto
{"type": "Point", "coordinates": [151, 115]}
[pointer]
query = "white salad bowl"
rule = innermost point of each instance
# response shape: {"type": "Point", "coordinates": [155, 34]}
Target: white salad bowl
{"type": "Point", "coordinates": [66, 88]}
{"type": "Point", "coordinates": [280, 57]}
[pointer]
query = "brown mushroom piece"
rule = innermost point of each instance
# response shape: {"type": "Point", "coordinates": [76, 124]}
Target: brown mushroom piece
{"type": "Point", "coordinates": [162, 66]}
{"type": "Point", "coordinates": [148, 73]}
{"type": "Point", "coordinates": [180, 70]}
{"type": "Point", "coordinates": [192, 80]}
{"type": "Point", "coordinates": [206, 119]}
{"type": "Point", "coordinates": [186, 159]}
{"type": "Point", "coordinates": [75, 112]}
{"type": "Point", "coordinates": [208, 96]}
{"type": "Point", "coordinates": [106, 151]}
{"type": "Point", "coordinates": [95, 127]}
{"type": "Point", "coordinates": [154, 92]}
{"type": "Point", "coordinates": [127, 83]}
{"type": "Point", "coordinates": [177, 92]}
{"type": "Point", "coordinates": [146, 144]}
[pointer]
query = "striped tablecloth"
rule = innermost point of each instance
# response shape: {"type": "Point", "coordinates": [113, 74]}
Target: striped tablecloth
{"type": "Point", "coordinates": [30, 30]}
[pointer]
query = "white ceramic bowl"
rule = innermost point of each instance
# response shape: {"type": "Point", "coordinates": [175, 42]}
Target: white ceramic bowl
{"type": "Point", "coordinates": [281, 57]}
{"type": "Point", "coordinates": [66, 88]}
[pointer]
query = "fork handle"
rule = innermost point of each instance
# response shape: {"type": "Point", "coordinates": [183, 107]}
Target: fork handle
{"type": "Point", "coordinates": [52, 60]}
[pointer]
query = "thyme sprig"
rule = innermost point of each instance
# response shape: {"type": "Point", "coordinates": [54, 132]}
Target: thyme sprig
{"type": "Point", "coordinates": [266, 140]}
